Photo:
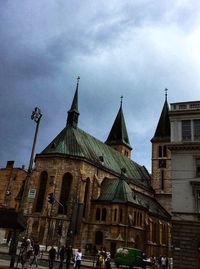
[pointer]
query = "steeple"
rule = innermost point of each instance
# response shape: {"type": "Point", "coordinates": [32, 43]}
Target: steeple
{"type": "Point", "coordinates": [73, 113]}
{"type": "Point", "coordinates": [118, 136]}
{"type": "Point", "coordinates": [162, 132]}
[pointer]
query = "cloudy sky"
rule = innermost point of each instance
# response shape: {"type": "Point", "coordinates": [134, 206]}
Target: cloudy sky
{"type": "Point", "coordinates": [118, 47]}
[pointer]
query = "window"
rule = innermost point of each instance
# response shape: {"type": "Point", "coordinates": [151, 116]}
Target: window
{"type": "Point", "coordinates": [162, 163]}
{"type": "Point", "coordinates": [162, 180]}
{"type": "Point", "coordinates": [98, 238]}
{"type": "Point", "coordinates": [160, 151]}
{"type": "Point", "coordinates": [186, 130]}
{"type": "Point", "coordinates": [198, 167]}
{"type": "Point", "coordinates": [196, 125]}
{"type": "Point", "coordinates": [103, 218]}
{"type": "Point", "coordinates": [98, 211]}
{"type": "Point", "coordinates": [115, 214]}
{"type": "Point", "coordinates": [65, 191]}
{"type": "Point", "coordinates": [41, 192]}
{"type": "Point", "coordinates": [86, 196]}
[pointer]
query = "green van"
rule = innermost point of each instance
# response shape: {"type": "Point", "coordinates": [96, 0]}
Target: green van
{"type": "Point", "coordinates": [129, 257]}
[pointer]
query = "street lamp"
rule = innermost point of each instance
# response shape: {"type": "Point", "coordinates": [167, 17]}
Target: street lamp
{"type": "Point", "coordinates": [36, 116]}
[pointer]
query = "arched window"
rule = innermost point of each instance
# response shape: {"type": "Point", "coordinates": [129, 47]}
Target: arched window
{"type": "Point", "coordinates": [86, 195]}
{"type": "Point", "coordinates": [41, 192]}
{"type": "Point", "coordinates": [98, 211]}
{"type": "Point", "coordinates": [160, 151]}
{"type": "Point", "coordinates": [103, 217]}
{"type": "Point", "coordinates": [115, 214]}
{"type": "Point", "coordinates": [98, 238]}
{"type": "Point", "coordinates": [65, 191]}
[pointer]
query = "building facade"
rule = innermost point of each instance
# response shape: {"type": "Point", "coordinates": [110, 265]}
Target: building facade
{"type": "Point", "coordinates": [185, 173]}
{"type": "Point", "coordinates": [101, 198]}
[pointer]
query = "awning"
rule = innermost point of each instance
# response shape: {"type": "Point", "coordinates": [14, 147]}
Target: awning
{"type": "Point", "coordinates": [11, 219]}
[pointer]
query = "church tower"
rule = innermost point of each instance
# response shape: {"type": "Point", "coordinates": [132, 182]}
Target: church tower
{"type": "Point", "coordinates": [118, 136]}
{"type": "Point", "coordinates": [161, 159]}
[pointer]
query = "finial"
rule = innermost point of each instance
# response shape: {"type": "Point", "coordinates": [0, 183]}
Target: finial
{"type": "Point", "coordinates": [121, 100]}
{"type": "Point", "coordinates": [166, 90]}
{"type": "Point", "coordinates": [78, 78]}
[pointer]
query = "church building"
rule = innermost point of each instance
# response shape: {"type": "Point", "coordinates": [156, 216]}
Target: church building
{"type": "Point", "coordinates": [91, 194]}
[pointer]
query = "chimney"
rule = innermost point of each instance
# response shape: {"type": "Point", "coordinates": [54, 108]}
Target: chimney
{"type": "Point", "coordinates": [10, 164]}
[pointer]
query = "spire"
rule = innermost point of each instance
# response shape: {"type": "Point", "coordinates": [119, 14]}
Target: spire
{"type": "Point", "coordinates": [162, 132]}
{"type": "Point", "coordinates": [118, 134]}
{"type": "Point", "coordinates": [73, 113]}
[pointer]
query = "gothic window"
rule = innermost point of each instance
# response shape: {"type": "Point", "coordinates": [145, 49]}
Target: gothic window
{"type": "Point", "coordinates": [115, 214]}
{"type": "Point", "coordinates": [186, 130]}
{"type": "Point", "coordinates": [98, 238]}
{"type": "Point", "coordinates": [160, 151]}
{"type": "Point", "coordinates": [41, 192]}
{"type": "Point", "coordinates": [103, 217]}
{"type": "Point", "coordinates": [164, 151]}
{"type": "Point", "coordinates": [86, 195]}
{"type": "Point", "coordinates": [162, 180]}
{"type": "Point", "coordinates": [65, 191]}
{"type": "Point", "coordinates": [98, 211]}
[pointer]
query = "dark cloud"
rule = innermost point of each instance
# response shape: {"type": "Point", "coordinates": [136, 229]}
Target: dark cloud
{"type": "Point", "coordinates": [117, 47]}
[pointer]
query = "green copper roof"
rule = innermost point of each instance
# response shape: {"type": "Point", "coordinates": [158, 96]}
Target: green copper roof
{"type": "Point", "coordinates": [118, 134]}
{"type": "Point", "coordinates": [162, 132]}
{"type": "Point", "coordinates": [77, 143]}
{"type": "Point", "coordinates": [117, 190]}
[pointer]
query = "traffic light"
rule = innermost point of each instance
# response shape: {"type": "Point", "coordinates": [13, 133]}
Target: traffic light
{"type": "Point", "coordinates": [59, 229]}
{"type": "Point", "coordinates": [51, 198]}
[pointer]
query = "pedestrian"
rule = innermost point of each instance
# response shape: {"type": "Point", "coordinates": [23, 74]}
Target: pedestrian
{"type": "Point", "coordinates": [52, 257]}
{"type": "Point", "coordinates": [36, 252]}
{"type": "Point", "coordinates": [62, 257]}
{"type": "Point", "coordinates": [69, 254]}
{"type": "Point", "coordinates": [153, 262]}
{"type": "Point", "coordinates": [107, 261]}
{"type": "Point", "coordinates": [164, 262]}
{"type": "Point", "coordinates": [28, 252]}
{"type": "Point", "coordinates": [78, 257]}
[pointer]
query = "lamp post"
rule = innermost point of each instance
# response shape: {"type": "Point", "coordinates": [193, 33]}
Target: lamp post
{"type": "Point", "coordinates": [36, 116]}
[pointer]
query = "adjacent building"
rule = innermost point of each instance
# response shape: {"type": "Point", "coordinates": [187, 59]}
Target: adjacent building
{"type": "Point", "coordinates": [176, 177]}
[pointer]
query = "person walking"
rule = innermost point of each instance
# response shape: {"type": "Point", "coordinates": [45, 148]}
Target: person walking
{"type": "Point", "coordinates": [164, 262]}
{"type": "Point", "coordinates": [27, 253]}
{"type": "Point", "coordinates": [78, 258]}
{"type": "Point", "coordinates": [62, 257]}
{"type": "Point", "coordinates": [69, 254]}
{"type": "Point", "coordinates": [36, 252]}
{"type": "Point", "coordinates": [52, 257]}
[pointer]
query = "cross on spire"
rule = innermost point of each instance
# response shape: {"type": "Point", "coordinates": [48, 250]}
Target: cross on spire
{"type": "Point", "coordinates": [166, 90]}
{"type": "Point", "coordinates": [121, 100]}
